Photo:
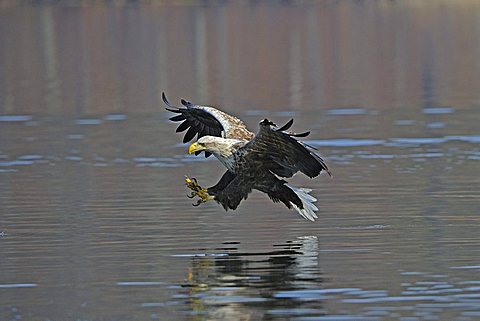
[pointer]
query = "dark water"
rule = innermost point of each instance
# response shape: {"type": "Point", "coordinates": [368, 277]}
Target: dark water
{"type": "Point", "coordinates": [94, 219]}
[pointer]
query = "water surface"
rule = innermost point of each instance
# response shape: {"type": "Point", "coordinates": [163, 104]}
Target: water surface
{"type": "Point", "coordinates": [94, 219]}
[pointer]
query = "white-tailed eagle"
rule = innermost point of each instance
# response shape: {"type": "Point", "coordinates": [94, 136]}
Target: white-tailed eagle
{"type": "Point", "coordinates": [252, 161]}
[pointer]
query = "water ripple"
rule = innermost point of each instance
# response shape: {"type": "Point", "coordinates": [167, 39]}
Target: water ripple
{"type": "Point", "coordinates": [15, 163]}
{"type": "Point", "coordinates": [395, 142]}
{"type": "Point", "coordinates": [336, 318]}
{"type": "Point", "coordinates": [140, 283]}
{"type": "Point", "coordinates": [417, 141]}
{"type": "Point", "coordinates": [15, 118]}
{"type": "Point", "coordinates": [88, 121]}
{"type": "Point", "coordinates": [18, 285]}
{"type": "Point", "coordinates": [115, 117]}
{"type": "Point", "coordinates": [309, 294]}
{"type": "Point", "coordinates": [347, 111]}
{"type": "Point", "coordinates": [466, 267]}
{"type": "Point", "coordinates": [438, 110]}
{"type": "Point", "coordinates": [345, 142]}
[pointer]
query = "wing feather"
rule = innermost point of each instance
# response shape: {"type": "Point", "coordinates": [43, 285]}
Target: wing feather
{"type": "Point", "coordinates": [183, 126]}
{"type": "Point", "coordinates": [203, 121]}
{"type": "Point", "coordinates": [305, 134]}
{"type": "Point", "coordinates": [191, 132]}
{"type": "Point", "coordinates": [286, 126]}
{"type": "Point", "coordinates": [177, 118]}
{"type": "Point", "coordinates": [279, 152]}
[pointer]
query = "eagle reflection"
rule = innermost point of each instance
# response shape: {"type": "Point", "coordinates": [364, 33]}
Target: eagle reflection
{"type": "Point", "coordinates": [229, 284]}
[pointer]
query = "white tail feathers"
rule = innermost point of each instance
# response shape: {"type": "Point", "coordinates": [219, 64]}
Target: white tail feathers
{"type": "Point", "coordinates": [309, 209]}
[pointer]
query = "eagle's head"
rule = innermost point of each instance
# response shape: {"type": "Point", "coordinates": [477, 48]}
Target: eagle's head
{"type": "Point", "coordinates": [220, 147]}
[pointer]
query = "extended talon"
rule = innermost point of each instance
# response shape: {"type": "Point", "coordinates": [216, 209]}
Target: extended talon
{"type": "Point", "coordinates": [197, 190]}
{"type": "Point", "coordinates": [192, 184]}
{"type": "Point", "coordinates": [204, 197]}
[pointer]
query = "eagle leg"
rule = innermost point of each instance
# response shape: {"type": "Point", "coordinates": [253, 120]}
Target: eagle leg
{"type": "Point", "coordinates": [197, 190]}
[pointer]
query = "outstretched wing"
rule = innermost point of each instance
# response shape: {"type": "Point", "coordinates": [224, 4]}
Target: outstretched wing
{"type": "Point", "coordinates": [233, 188]}
{"type": "Point", "coordinates": [278, 151]}
{"type": "Point", "coordinates": [203, 121]}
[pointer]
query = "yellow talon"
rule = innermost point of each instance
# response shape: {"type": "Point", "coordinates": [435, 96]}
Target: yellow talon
{"type": "Point", "coordinates": [192, 184]}
{"type": "Point", "coordinates": [197, 190]}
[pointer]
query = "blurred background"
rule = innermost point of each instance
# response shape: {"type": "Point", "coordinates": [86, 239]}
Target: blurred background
{"type": "Point", "coordinates": [95, 57]}
{"type": "Point", "coordinates": [94, 222]}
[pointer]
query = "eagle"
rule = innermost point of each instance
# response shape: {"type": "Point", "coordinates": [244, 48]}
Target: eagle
{"type": "Point", "coordinates": [254, 161]}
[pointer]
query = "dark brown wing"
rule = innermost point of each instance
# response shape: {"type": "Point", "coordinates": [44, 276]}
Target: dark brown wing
{"type": "Point", "coordinates": [278, 151]}
{"type": "Point", "coordinates": [235, 187]}
{"type": "Point", "coordinates": [198, 121]}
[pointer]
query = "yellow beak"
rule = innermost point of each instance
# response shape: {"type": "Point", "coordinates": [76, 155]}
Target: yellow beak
{"type": "Point", "coordinates": [195, 147]}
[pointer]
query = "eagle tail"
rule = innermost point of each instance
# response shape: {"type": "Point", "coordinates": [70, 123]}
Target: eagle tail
{"type": "Point", "coordinates": [308, 209]}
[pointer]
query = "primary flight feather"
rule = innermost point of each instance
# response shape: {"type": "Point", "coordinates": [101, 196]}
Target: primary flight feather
{"type": "Point", "coordinates": [253, 161]}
